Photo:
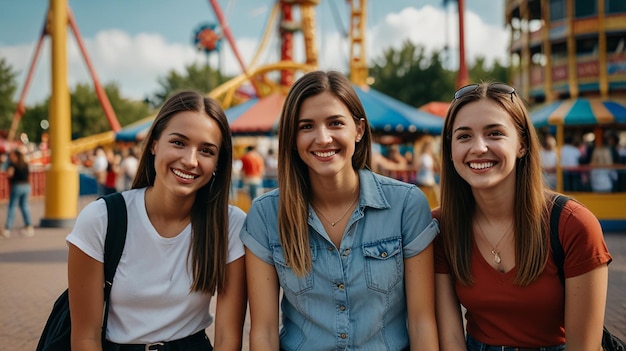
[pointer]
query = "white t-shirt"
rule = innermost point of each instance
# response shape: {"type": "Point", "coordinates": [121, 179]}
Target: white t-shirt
{"type": "Point", "coordinates": [150, 298]}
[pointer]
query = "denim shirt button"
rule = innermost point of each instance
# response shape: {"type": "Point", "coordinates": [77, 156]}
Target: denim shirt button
{"type": "Point", "coordinates": [342, 307]}
{"type": "Point", "coordinates": [344, 335]}
{"type": "Point", "coordinates": [383, 255]}
{"type": "Point", "coordinates": [341, 286]}
{"type": "Point", "coordinates": [346, 252]}
{"type": "Point", "coordinates": [330, 248]}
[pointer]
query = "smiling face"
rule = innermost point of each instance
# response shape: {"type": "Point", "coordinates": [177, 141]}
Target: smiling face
{"type": "Point", "coordinates": [485, 145]}
{"type": "Point", "coordinates": [326, 135]}
{"type": "Point", "coordinates": [186, 153]}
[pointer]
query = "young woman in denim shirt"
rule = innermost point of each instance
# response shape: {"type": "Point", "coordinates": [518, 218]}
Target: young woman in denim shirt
{"type": "Point", "coordinates": [350, 249]}
{"type": "Point", "coordinates": [495, 256]}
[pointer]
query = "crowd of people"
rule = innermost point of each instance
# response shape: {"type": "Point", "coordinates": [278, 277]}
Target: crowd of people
{"type": "Point", "coordinates": [338, 255]}
{"type": "Point", "coordinates": [598, 165]}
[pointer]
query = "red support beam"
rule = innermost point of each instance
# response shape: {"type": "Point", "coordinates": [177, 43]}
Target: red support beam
{"type": "Point", "coordinates": [102, 96]}
{"type": "Point", "coordinates": [462, 78]}
{"type": "Point", "coordinates": [19, 111]}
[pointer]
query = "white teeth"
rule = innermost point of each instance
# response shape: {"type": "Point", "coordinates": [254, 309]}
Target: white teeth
{"type": "Point", "coordinates": [183, 175]}
{"type": "Point", "coordinates": [482, 165]}
{"type": "Point", "coordinates": [325, 154]}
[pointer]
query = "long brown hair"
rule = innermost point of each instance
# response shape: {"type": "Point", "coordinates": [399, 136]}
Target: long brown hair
{"type": "Point", "coordinates": [458, 205]}
{"type": "Point", "coordinates": [209, 214]}
{"type": "Point", "coordinates": [293, 179]}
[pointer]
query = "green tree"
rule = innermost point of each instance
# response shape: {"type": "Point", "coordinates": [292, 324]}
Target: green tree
{"type": "Point", "coordinates": [8, 86]}
{"type": "Point", "coordinates": [409, 75]}
{"type": "Point", "coordinates": [30, 123]}
{"type": "Point", "coordinates": [88, 117]}
{"type": "Point", "coordinates": [496, 73]}
{"type": "Point", "coordinates": [197, 77]}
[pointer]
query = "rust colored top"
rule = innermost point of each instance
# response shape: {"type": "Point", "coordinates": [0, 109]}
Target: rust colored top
{"type": "Point", "coordinates": [501, 313]}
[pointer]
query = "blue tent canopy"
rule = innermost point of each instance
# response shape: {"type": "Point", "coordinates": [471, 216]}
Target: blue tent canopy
{"type": "Point", "coordinates": [389, 115]}
{"type": "Point", "coordinates": [386, 115]}
{"type": "Point", "coordinates": [135, 131]}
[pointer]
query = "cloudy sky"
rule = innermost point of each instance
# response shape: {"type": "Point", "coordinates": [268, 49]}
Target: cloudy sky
{"type": "Point", "coordinates": [135, 42]}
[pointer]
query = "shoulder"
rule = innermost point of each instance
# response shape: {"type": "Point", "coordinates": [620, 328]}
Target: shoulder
{"type": "Point", "coordinates": [582, 239]}
{"type": "Point", "coordinates": [576, 214]}
{"type": "Point", "coordinates": [264, 204]}
{"type": "Point", "coordinates": [383, 192]}
{"type": "Point", "coordinates": [235, 214]}
{"type": "Point", "coordinates": [368, 178]}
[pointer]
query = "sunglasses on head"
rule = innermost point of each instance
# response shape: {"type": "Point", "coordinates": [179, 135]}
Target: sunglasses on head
{"type": "Point", "coordinates": [497, 87]}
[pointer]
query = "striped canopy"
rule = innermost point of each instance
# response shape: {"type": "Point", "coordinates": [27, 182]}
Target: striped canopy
{"type": "Point", "coordinates": [578, 112]}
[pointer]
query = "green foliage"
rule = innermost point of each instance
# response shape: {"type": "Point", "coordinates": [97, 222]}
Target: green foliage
{"type": "Point", "coordinates": [197, 77]}
{"type": "Point", "coordinates": [413, 77]}
{"type": "Point", "coordinates": [88, 117]}
{"type": "Point", "coordinates": [498, 73]}
{"type": "Point", "coordinates": [31, 120]}
{"type": "Point", "coordinates": [8, 86]}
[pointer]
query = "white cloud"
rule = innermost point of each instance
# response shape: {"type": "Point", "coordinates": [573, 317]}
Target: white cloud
{"type": "Point", "coordinates": [136, 62]}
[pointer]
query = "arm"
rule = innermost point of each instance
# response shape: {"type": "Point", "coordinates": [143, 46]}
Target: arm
{"type": "Point", "coordinates": [585, 301]}
{"type": "Point", "coordinates": [420, 291]}
{"type": "Point", "coordinates": [448, 311]}
{"type": "Point", "coordinates": [230, 311]}
{"type": "Point", "coordinates": [264, 289]}
{"type": "Point", "coordinates": [10, 171]}
{"type": "Point", "coordinates": [86, 295]}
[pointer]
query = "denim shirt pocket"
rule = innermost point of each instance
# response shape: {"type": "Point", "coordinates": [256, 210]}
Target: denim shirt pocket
{"type": "Point", "coordinates": [289, 281]}
{"type": "Point", "coordinates": [383, 264]}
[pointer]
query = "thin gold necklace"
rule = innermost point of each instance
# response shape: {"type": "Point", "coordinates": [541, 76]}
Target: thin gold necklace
{"type": "Point", "coordinates": [494, 249]}
{"type": "Point", "coordinates": [333, 223]}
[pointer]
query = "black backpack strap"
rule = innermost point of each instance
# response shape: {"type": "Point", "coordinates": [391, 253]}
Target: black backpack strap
{"type": "Point", "coordinates": [113, 245]}
{"type": "Point", "coordinates": [558, 254]}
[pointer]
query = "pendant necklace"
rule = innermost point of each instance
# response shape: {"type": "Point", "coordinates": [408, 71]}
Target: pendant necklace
{"type": "Point", "coordinates": [333, 223]}
{"type": "Point", "coordinates": [494, 249]}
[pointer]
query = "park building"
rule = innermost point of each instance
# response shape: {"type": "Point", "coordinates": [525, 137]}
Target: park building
{"type": "Point", "coordinates": [562, 49]}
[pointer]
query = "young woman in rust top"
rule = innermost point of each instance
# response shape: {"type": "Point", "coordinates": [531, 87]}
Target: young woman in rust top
{"type": "Point", "coordinates": [493, 255]}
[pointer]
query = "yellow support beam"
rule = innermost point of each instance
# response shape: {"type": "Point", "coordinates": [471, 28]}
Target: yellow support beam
{"type": "Point", "coordinates": [61, 201]}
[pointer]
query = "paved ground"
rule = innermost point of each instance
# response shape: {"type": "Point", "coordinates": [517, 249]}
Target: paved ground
{"type": "Point", "coordinates": [33, 274]}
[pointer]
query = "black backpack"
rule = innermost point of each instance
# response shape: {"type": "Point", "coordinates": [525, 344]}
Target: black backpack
{"type": "Point", "coordinates": [610, 342]}
{"type": "Point", "coordinates": [56, 333]}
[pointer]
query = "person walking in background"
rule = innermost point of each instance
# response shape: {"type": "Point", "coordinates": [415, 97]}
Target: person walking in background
{"type": "Point", "coordinates": [493, 255]}
{"type": "Point", "coordinates": [99, 169]}
{"type": "Point", "coordinates": [271, 168]}
{"type": "Point", "coordinates": [18, 174]}
{"type": "Point", "coordinates": [128, 168]}
{"type": "Point", "coordinates": [253, 168]}
{"type": "Point", "coordinates": [350, 249]}
{"type": "Point", "coordinates": [427, 165]}
{"type": "Point", "coordinates": [570, 160]}
{"type": "Point", "coordinates": [549, 160]}
{"type": "Point", "coordinates": [602, 178]}
{"type": "Point", "coordinates": [182, 244]}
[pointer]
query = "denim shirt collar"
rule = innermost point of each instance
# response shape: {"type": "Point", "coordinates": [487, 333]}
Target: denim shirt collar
{"type": "Point", "coordinates": [371, 192]}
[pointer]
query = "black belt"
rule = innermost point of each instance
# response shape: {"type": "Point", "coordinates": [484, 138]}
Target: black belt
{"type": "Point", "coordinates": [172, 345]}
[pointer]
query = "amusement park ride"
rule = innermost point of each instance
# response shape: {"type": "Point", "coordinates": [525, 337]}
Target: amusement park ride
{"type": "Point", "coordinates": [61, 191]}
{"type": "Point", "coordinates": [293, 16]}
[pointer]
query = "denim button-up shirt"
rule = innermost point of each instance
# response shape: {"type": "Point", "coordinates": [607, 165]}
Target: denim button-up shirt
{"type": "Point", "coordinates": [354, 297]}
